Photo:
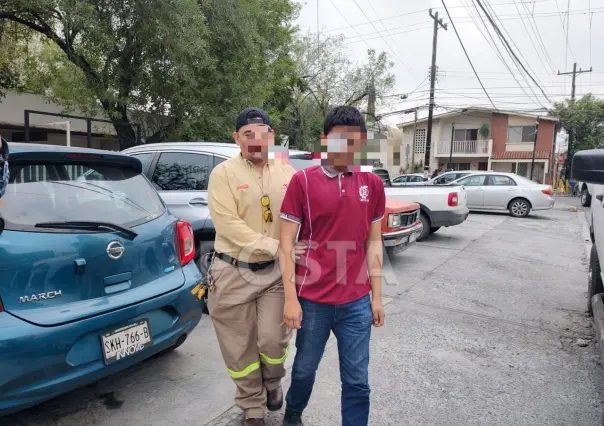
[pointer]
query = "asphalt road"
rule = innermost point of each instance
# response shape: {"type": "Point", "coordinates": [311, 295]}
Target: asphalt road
{"type": "Point", "coordinates": [485, 325]}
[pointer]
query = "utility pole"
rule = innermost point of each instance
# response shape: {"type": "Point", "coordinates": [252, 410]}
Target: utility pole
{"type": "Point", "coordinates": [574, 73]}
{"type": "Point", "coordinates": [437, 23]}
{"type": "Point", "coordinates": [451, 148]}
{"type": "Point", "coordinates": [534, 146]}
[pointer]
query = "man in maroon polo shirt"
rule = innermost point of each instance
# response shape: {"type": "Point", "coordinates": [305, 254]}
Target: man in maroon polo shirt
{"type": "Point", "coordinates": [337, 211]}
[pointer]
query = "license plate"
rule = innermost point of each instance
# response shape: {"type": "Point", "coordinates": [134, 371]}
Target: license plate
{"type": "Point", "coordinates": [126, 341]}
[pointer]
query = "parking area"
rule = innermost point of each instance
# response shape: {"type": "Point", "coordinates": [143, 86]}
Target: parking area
{"type": "Point", "coordinates": [485, 325]}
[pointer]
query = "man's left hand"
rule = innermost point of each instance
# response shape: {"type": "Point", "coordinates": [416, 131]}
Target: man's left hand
{"type": "Point", "coordinates": [378, 313]}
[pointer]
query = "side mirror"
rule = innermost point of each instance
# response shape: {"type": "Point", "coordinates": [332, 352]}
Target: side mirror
{"type": "Point", "coordinates": [588, 166]}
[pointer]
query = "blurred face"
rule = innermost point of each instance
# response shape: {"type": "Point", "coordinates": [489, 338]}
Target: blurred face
{"type": "Point", "coordinates": [342, 143]}
{"type": "Point", "coordinates": [254, 141]}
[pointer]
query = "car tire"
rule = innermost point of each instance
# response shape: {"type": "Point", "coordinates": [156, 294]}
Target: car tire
{"type": "Point", "coordinates": [425, 226]}
{"type": "Point", "coordinates": [434, 229]}
{"type": "Point", "coordinates": [585, 198]}
{"type": "Point", "coordinates": [519, 207]}
{"type": "Point", "coordinates": [175, 346]}
{"type": "Point", "coordinates": [594, 280]}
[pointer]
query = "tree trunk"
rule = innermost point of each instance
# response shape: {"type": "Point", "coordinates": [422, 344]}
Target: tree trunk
{"type": "Point", "coordinates": [126, 135]}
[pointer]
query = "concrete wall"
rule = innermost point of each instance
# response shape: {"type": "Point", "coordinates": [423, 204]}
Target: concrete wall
{"type": "Point", "coordinates": [13, 106]}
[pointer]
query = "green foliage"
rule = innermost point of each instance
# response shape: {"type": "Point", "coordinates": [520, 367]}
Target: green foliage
{"type": "Point", "coordinates": [585, 119]}
{"type": "Point", "coordinates": [137, 57]}
{"type": "Point", "coordinates": [327, 78]}
{"type": "Point", "coordinates": [484, 130]}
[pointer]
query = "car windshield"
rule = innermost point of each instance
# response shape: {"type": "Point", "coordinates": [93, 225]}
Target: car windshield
{"type": "Point", "coordinates": [51, 192]}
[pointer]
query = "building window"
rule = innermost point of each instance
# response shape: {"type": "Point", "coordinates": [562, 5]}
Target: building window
{"type": "Point", "coordinates": [420, 141]}
{"type": "Point", "coordinates": [465, 135]}
{"type": "Point", "coordinates": [518, 134]}
{"type": "Point", "coordinates": [458, 166]}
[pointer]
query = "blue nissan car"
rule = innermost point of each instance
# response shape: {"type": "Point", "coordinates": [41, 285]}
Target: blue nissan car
{"type": "Point", "coordinates": [95, 274]}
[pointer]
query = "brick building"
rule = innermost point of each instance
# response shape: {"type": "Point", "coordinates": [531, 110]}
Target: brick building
{"type": "Point", "coordinates": [483, 139]}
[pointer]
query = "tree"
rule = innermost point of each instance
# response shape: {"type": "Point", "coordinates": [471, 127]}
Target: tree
{"type": "Point", "coordinates": [327, 79]}
{"type": "Point", "coordinates": [134, 57]}
{"type": "Point", "coordinates": [584, 118]}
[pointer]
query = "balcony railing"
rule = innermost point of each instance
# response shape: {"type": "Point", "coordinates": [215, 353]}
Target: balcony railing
{"type": "Point", "coordinates": [464, 148]}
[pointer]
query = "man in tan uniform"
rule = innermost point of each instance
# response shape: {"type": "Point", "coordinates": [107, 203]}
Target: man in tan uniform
{"type": "Point", "coordinates": [246, 289]}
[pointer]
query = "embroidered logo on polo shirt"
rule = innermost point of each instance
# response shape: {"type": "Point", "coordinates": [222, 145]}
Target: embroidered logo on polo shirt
{"type": "Point", "coordinates": [284, 186]}
{"type": "Point", "coordinates": [364, 193]}
{"type": "Point", "coordinates": [240, 187]}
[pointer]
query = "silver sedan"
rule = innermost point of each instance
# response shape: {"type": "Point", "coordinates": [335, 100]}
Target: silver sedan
{"type": "Point", "coordinates": [492, 191]}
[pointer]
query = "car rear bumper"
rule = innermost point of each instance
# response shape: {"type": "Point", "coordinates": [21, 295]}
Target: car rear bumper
{"type": "Point", "coordinates": [448, 218]}
{"type": "Point", "coordinates": [40, 363]}
{"type": "Point", "coordinates": [399, 241]}
{"type": "Point", "coordinates": [545, 205]}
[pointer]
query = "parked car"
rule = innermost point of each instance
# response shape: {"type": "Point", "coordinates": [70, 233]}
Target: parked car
{"type": "Point", "coordinates": [449, 177]}
{"type": "Point", "coordinates": [440, 205]}
{"type": "Point", "coordinates": [410, 179]}
{"type": "Point", "coordinates": [180, 173]}
{"type": "Point", "coordinates": [95, 274]}
{"type": "Point", "coordinates": [493, 191]}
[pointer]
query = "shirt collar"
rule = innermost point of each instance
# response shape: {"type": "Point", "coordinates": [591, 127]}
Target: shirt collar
{"type": "Point", "coordinates": [331, 172]}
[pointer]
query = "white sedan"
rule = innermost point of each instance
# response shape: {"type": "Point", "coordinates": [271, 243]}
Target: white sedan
{"type": "Point", "coordinates": [492, 191]}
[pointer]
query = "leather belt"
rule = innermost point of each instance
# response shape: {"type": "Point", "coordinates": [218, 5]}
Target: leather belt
{"type": "Point", "coordinates": [252, 266]}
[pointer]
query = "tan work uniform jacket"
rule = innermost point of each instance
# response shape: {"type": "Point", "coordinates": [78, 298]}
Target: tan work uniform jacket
{"type": "Point", "coordinates": [235, 192]}
{"type": "Point", "coordinates": [246, 307]}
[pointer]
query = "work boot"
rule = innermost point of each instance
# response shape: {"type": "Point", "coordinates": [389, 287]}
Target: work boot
{"type": "Point", "coordinates": [274, 399]}
{"type": "Point", "coordinates": [292, 418]}
{"type": "Point", "coordinates": [254, 422]}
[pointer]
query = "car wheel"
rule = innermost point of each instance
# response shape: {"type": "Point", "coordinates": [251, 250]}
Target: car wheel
{"type": "Point", "coordinates": [434, 229]}
{"type": "Point", "coordinates": [519, 207]}
{"type": "Point", "coordinates": [425, 226]}
{"type": "Point", "coordinates": [594, 280]}
{"type": "Point", "coordinates": [585, 198]}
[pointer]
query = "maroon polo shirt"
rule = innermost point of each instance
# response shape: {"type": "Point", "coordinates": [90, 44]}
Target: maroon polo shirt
{"type": "Point", "coordinates": [335, 211]}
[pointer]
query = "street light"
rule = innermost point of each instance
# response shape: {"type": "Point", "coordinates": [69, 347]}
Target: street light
{"type": "Point", "coordinates": [67, 125]}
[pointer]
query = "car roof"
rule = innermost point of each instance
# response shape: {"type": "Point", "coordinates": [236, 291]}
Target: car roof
{"type": "Point", "coordinates": [221, 148]}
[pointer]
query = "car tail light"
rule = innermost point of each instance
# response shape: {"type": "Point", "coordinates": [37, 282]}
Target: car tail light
{"type": "Point", "coordinates": [453, 199]}
{"type": "Point", "coordinates": [547, 191]}
{"type": "Point", "coordinates": [185, 242]}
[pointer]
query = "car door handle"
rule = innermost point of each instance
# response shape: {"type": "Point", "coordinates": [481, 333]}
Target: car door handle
{"type": "Point", "coordinates": [479, 189]}
{"type": "Point", "coordinates": [600, 197]}
{"type": "Point", "coordinates": [511, 189]}
{"type": "Point", "coordinates": [198, 202]}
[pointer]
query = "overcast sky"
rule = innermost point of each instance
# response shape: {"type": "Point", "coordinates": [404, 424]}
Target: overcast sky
{"type": "Point", "coordinates": [536, 31]}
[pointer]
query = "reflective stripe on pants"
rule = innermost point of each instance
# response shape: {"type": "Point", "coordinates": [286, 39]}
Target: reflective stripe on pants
{"type": "Point", "coordinates": [247, 313]}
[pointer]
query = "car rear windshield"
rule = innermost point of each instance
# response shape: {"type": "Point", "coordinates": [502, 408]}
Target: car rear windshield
{"type": "Point", "coordinates": [60, 192]}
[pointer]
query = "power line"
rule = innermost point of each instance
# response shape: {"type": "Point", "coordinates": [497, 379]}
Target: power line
{"type": "Point", "coordinates": [510, 51]}
{"type": "Point", "coordinates": [385, 41]}
{"type": "Point", "coordinates": [466, 53]}
{"type": "Point", "coordinates": [530, 37]}
{"type": "Point", "coordinates": [496, 49]}
{"type": "Point", "coordinates": [502, 37]}
{"type": "Point", "coordinates": [348, 22]}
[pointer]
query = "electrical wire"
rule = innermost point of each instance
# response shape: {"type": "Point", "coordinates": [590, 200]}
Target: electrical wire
{"type": "Point", "coordinates": [348, 22]}
{"type": "Point", "coordinates": [531, 38]}
{"type": "Point", "coordinates": [385, 41]}
{"type": "Point", "coordinates": [466, 53]}
{"type": "Point", "coordinates": [496, 49]}
{"type": "Point", "coordinates": [502, 37]}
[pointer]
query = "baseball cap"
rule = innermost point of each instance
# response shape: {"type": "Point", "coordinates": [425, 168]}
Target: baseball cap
{"type": "Point", "coordinates": [252, 116]}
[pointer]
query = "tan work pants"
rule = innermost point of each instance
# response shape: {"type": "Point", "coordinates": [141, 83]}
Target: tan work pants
{"type": "Point", "coordinates": [247, 311]}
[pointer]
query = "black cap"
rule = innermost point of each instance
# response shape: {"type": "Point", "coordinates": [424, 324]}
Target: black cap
{"type": "Point", "coordinates": [252, 116]}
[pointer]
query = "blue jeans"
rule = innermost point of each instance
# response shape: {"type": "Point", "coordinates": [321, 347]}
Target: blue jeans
{"type": "Point", "coordinates": [351, 324]}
